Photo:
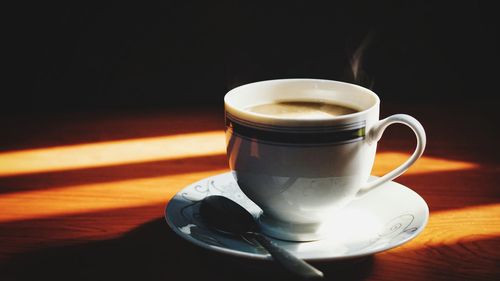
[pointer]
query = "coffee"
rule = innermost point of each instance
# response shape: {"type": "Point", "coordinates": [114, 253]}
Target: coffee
{"type": "Point", "coordinates": [301, 109]}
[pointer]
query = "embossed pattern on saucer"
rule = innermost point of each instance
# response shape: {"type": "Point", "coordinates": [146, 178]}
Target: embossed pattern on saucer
{"type": "Point", "coordinates": [383, 219]}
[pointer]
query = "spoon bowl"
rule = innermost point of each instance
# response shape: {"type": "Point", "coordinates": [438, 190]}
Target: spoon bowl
{"type": "Point", "coordinates": [228, 217]}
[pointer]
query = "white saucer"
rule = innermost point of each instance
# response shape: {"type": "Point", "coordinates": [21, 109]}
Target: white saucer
{"type": "Point", "coordinates": [383, 219]}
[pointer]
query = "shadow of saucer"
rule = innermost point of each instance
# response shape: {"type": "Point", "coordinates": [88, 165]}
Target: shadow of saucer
{"type": "Point", "coordinates": [154, 252]}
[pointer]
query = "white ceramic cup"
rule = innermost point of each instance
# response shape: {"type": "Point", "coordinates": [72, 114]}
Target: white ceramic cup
{"type": "Point", "coordinates": [299, 171]}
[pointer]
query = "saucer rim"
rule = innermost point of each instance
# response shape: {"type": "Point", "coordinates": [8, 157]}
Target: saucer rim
{"type": "Point", "coordinates": [268, 256]}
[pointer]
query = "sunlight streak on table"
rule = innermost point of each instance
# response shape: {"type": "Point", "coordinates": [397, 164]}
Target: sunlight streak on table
{"type": "Point", "coordinates": [100, 154]}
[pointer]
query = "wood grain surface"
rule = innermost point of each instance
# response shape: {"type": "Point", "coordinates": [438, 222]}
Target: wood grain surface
{"type": "Point", "coordinates": [82, 197]}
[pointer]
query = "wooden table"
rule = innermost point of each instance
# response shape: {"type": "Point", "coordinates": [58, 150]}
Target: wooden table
{"type": "Point", "coordinates": [82, 197]}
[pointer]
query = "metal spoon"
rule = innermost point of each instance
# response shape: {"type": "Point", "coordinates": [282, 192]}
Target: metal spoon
{"type": "Point", "coordinates": [226, 216]}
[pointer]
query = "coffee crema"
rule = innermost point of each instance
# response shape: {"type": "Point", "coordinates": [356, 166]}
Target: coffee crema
{"type": "Point", "coordinates": [301, 109]}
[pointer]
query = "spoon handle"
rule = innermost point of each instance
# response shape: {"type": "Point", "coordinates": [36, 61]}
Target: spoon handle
{"type": "Point", "coordinates": [288, 260]}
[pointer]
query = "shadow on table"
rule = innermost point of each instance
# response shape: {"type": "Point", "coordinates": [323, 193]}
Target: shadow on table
{"type": "Point", "coordinates": [154, 252]}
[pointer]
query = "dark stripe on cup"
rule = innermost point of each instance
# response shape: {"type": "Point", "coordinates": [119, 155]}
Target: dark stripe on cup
{"type": "Point", "coordinates": [299, 129]}
{"type": "Point", "coordinates": [297, 137]}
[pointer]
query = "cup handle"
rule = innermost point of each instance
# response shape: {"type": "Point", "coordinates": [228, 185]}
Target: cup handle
{"type": "Point", "coordinates": [375, 134]}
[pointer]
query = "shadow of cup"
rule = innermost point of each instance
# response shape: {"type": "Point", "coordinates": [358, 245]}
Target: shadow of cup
{"type": "Point", "coordinates": [154, 252]}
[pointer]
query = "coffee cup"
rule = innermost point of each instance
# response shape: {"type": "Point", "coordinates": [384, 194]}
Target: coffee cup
{"type": "Point", "coordinates": [300, 164]}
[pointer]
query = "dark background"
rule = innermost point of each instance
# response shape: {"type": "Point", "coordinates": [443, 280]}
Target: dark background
{"type": "Point", "coordinates": [100, 56]}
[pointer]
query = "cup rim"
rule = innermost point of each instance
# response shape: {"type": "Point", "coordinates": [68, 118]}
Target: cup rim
{"type": "Point", "coordinates": [269, 119]}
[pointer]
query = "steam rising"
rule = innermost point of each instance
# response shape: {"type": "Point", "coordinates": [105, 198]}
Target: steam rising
{"type": "Point", "coordinates": [358, 74]}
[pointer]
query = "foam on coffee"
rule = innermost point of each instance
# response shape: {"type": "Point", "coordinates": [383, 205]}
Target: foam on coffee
{"type": "Point", "coordinates": [301, 109]}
